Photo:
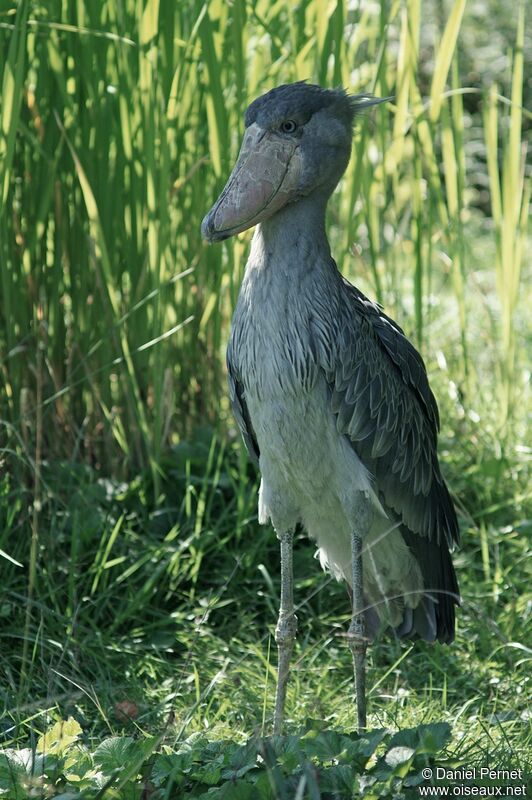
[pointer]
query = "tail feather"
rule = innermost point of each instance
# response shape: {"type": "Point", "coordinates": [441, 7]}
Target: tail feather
{"type": "Point", "coordinates": [435, 616]}
{"type": "Point", "coordinates": [426, 613]}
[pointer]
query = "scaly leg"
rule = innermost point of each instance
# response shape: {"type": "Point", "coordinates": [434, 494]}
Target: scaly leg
{"type": "Point", "coordinates": [356, 634]}
{"type": "Point", "coordinates": [286, 629]}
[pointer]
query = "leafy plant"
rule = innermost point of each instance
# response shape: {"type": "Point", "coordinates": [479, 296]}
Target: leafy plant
{"type": "Point", "coordinates": [319, 763]}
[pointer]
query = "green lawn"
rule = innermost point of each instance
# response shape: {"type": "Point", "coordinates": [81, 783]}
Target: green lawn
{"type": "Point", "coordinates": [165, 611]}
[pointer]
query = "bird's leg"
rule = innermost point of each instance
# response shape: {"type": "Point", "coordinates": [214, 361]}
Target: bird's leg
{"type": "Point", "coordinates": [286, 629]}
{"type": "Point", "coordinates": [356, 634]}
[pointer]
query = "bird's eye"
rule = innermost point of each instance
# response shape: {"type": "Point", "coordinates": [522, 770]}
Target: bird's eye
{"type": "Point", "coordinates": [288, 126]}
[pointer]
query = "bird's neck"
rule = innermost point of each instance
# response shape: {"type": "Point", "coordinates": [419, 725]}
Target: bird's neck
{"type": "Point", "coordinates": [293, 240]}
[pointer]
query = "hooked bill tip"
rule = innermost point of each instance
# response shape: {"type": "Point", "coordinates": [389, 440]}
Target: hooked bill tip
{"type": "Point", "coordinates": [209, 232]}
{"type": "Point", "coordinates": [207, 228]}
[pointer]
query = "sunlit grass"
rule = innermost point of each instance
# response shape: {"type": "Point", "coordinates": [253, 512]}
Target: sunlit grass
{"type": "Point", "coordinates": [119, 129]}
{"type": "Point", "coordinates": [177, 615]}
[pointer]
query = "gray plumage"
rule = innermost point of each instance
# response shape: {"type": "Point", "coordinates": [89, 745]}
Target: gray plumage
{"type": "Point", "coordinates": [332, 400]}
{"type": "Point", "coordinates": [315, 334]}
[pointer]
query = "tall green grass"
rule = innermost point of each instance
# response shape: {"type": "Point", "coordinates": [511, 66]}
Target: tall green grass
{"type": "Point", "coordinates": [119, 124]}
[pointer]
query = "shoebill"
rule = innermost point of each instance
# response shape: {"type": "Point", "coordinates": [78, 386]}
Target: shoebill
{"type": "Point", "coordinates": [332, 400]}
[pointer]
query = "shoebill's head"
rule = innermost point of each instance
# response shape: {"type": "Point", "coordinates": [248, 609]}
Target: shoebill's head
{"type": "Point", "coordinates": [297, 141]}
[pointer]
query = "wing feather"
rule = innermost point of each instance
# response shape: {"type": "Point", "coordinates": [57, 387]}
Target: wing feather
{"type": "Point", "coordinates": [383, 404]}
{"type": "Point", "coordinates": [240, 409]}
{"type": "Point", "coordinates": [386, 409]}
